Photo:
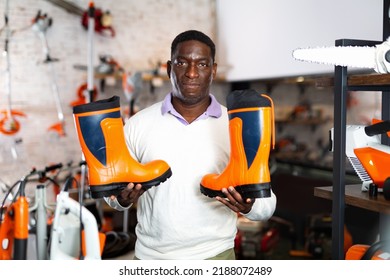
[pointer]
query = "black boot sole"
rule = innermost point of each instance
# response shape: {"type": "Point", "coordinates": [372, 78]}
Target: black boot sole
{"type": "Point", "coordinates": [100, 191]}
{"type": "Point", "coordinates": [246, 191]}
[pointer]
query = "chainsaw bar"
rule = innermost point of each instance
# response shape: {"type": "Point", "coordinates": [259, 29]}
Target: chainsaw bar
{"type": "Point", "coordinates": [351, 56]}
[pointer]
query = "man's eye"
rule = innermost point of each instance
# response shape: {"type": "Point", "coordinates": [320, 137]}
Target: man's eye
{"type": "Point", "coordinates": [203, 64]}
{"type": "Point", "coordinates": [180, 63]}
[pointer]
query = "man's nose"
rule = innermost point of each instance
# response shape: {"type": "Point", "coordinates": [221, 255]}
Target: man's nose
{"type": "Point", "coordinates": [192, 71]}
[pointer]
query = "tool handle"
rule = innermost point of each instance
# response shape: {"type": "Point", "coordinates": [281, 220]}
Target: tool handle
{"type": "Point", "coordinates": [378, 128]}
{"type": "Point", "coordinates": [53, 167]}
{"type": "Point", "coordinates": [21, 228]}
{"type": "Point", "coordinates": [387, 56]}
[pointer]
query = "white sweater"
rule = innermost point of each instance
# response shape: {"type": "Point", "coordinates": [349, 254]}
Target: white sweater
{"type": "Point", "coordinates": [175, 220]}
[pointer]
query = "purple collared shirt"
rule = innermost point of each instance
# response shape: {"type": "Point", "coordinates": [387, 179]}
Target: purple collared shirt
{"type": "Point", "coordinates": [214, 109]}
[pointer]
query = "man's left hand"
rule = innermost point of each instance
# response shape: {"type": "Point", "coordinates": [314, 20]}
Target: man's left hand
{"type": "Point", "coordinates": [235, 202]}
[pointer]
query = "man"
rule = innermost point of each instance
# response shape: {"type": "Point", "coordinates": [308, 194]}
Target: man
{"type": "Point", "coordinates": [189, 130]}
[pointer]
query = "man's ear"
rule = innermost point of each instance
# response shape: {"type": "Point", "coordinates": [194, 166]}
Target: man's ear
{"type": "Point", "coordinates": [169, 67]}
{"type": "Point", "coordinates": [215, 66]}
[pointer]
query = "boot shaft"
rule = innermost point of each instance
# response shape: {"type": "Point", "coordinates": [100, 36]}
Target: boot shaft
{"type": "Point", "coordinates": [88, 118]}
{"type": "Point", "coordinates": [251, 137]}
{"type": "Point", "coordinates": [251, 131]}
{"type": "Point", "coordinates": [250, 100]}
{"type": "Point", "coordinates": [89, 126]}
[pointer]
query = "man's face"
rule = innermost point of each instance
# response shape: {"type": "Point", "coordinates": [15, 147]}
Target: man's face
{"type": "Point", "coordinates": [191, 71]}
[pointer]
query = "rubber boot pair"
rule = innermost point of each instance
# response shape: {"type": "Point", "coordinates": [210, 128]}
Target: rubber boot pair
{"type": "Point", "coordinates": [110, 166]}
{"type": "Point", "coordinates": [251, 132]}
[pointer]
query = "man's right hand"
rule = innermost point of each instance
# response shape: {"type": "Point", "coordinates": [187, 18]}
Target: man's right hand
{"type": "Point", "coordinates": [130, 194]}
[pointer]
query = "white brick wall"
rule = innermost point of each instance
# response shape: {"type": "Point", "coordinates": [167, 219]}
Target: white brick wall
{"type": "Point", "coordinates": [144, 31]}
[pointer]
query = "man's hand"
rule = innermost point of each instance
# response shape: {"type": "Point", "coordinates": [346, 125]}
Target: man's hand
{"type": "Point", "coordinates": [130, 194]}
{"type": "Point", "coordinates": [235, 202]}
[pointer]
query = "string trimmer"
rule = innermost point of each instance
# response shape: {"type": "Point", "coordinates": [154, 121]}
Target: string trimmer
{"type": "Point", "coordinates": [9, 125]}
{"type": "Point", "coordinates": [41, 23]}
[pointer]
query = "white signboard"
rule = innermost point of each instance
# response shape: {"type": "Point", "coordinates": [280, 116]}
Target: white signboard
{"type": "Point", "coordinates": [256, 37]}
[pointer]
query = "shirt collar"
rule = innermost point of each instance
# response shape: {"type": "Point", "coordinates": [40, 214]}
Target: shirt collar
{"type": "Point", "coordinates": [214, 109]}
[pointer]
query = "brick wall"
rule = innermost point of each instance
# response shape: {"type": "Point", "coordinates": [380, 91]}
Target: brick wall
{"type": "Point", "coordinates": [144, 31]}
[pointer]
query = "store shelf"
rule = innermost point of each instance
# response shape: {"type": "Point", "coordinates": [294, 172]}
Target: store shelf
{"type": "Point", "coordinates": [354, 196]}
{"type": "Point", "coordinates": [340, 193]}
{"type": "Point", "coordinates": [369, 80]}
{"type": "Point", "coordinates": [344, 82]}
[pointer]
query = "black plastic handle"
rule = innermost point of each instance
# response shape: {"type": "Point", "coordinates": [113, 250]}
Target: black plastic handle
{"type": "Point", "coordinates": [53, 167]}
{"type": "Point", "coordinates": [378, 128]}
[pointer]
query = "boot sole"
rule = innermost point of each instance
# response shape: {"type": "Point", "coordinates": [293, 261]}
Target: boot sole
{"type": "Point", "coordinates": [246, 191]}
{"type": "Point", "coordinates": [100, 191]}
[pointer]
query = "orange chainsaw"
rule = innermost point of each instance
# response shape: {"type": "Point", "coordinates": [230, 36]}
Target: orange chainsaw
{"type": "Point", "coordinates": [369, 158]}
{"type": "Point", "coordinates": [377, 251]}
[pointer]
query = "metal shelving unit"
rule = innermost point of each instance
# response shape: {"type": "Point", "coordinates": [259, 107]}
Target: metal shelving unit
{"type": "Point", "coordinates": [341, 87]}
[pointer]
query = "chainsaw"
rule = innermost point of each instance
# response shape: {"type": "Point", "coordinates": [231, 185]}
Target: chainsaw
{"type": "Point", "coordinates": [369, 158]}
{"type": "Point", "coordinates": [375, 57]}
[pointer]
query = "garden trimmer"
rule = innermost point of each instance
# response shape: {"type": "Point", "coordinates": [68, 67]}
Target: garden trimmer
{"type": "Point", "coordinates": [88, 92]}
{"type": "Point", "coordinates": [40, 25]}
{"type": "Point", "coordinates": [9, 125]}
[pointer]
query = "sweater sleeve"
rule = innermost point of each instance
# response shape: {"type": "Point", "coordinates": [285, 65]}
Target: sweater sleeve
{"type": "Point", "coordinates": [115, 204]}
{"type": "Point", "coordinates": [262, 209]}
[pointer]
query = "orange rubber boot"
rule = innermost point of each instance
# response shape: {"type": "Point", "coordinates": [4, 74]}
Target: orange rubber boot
{"type": "Point", "coordinates": [251, 130]}
{"type": "Point", "coordinates": [110, 166]}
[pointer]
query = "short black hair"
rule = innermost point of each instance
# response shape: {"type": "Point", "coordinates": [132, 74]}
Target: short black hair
{"type": "Point", "coordinates": [196, 35]}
